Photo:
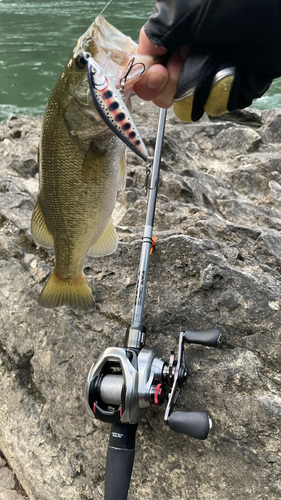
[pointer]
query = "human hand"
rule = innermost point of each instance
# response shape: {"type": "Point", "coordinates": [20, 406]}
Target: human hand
{"type": "Point", "coordinates": [159, 82]}
{"type": "Point", "coordinates": [245, 34]}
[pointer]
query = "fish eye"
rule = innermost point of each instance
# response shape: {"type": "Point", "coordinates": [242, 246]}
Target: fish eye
{"type": "Point", "coordinates": [81, 60]}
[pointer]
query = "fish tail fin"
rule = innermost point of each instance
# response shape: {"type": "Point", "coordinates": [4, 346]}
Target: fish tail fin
{"type": "Point", "coordinates": [67, 292]}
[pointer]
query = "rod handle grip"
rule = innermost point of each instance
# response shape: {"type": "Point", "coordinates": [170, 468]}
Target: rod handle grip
{"type": "Point", "coordinates": [120, 461]}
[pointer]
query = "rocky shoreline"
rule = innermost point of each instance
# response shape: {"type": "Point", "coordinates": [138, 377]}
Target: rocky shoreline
{"type": "Point", "coordinates": [10, 489]}
{"type": "Point", "coordinates": [217, 263]}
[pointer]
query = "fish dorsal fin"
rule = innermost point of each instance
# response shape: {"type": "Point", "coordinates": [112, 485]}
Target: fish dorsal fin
{"type": "Point", "coordinates": [107, 242]}
{"type": "Point", "coordinates": [39, 229]}
{"type": "Point", "coordinates": [122, 173]}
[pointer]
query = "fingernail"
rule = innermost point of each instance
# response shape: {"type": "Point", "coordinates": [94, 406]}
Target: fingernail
{"type": "Point", "coordinates": [155, 80]}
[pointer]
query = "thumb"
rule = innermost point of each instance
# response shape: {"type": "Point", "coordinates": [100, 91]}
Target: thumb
{"type": "Point", "coordinates": [156, 77]}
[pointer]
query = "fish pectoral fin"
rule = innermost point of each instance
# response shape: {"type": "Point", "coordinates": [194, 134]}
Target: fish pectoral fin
{"type": "Point", "coordinates": [107, 242]}
{"type": "Point", "coordinates": [122, 173]}
{"type": "Point", "coordinates": [39, 230]}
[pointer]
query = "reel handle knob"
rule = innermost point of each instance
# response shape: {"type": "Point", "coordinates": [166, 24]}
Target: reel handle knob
{"type": "Point", "coordinates": [196, 424]}
{"type": "Point", "coordinates": [209, 337]}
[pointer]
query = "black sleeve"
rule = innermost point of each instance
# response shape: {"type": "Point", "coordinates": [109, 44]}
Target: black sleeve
{"type": "Point", "coordinates": [249, 26]}
{"type": "Point", "coordinates": [247, 32]}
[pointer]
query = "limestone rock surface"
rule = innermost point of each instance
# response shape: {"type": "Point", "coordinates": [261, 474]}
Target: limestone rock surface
{"type": "Point", "coordinates": [216, 263]}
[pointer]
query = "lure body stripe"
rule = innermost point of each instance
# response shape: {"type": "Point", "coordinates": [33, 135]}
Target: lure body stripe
{"type": "Point", "coordinates": [112, 109]}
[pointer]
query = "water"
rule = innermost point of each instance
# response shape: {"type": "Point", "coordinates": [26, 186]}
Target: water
{"type": "Point", "coordinates": [37, 38]}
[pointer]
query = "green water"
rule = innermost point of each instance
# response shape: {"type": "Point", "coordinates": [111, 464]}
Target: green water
{"type": "Point", "coordinates": [37, 37]}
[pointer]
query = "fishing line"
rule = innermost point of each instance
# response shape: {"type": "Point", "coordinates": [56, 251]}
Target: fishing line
{"type": "Point", "coordinates": [108, 3]}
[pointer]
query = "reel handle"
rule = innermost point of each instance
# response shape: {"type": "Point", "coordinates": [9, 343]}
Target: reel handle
{"type": "Point", "coordinates": [120, 461]}
{"type": "Point", "coordinates": [209, 337]}
{"type": "Point", "coordinates": [196, 424]}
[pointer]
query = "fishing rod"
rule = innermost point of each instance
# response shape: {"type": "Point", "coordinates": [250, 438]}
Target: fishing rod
{"type": "Point", "coordinates": [124, 382]}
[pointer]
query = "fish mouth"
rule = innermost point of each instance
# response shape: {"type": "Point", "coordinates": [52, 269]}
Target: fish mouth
{"type": "Point", "coordinates": [107, 38]}
{"type": "Point", "coordinates": [109, 47]}
{"type": "Point", "coordinates": [114, 52]}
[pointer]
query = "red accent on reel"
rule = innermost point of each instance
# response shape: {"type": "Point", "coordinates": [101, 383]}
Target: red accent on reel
{"type": "Point", "coordinates": [157, 394]}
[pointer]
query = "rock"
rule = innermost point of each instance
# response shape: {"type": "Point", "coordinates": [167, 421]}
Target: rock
{"type": "Point", "coordinates": [271, 127]}
{"type": "Point", "coordinates": [10, 495]}
{"type": "Point", "coordinates": [249, 116]}
{"type": "Point", "coordinates": [26, 167]}
{"type": "Point", "coordinates": [7, 479]}
{"type": "Point", "coordinates": [216, 263]}
{"type": "Point", "coordinates": [275, 190]}
{"type": "Point", "coordinates": [238, 140]}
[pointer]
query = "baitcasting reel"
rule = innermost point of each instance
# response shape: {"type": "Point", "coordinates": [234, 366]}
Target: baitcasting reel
{"type": "Point", "coordinates": [123, 383]}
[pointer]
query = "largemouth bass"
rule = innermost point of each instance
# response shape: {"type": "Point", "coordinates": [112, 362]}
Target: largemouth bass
{"type": "Point", "coordinates": [81, 166]}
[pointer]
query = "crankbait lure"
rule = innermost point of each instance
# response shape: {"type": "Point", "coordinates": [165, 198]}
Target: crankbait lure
{"type": "Point", "coordinates": [111, 107]}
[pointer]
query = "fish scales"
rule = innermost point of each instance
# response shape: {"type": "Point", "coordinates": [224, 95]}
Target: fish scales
{"type": "Point", "coordinates": [81, 165]}
{"type": "Point", "coordinates": [87, 190]}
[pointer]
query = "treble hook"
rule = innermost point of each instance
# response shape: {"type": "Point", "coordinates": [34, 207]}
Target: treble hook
{"type": "Point", "coordinates": [146, 186]}
{"type": "Point", "coordinates": [147, 176]}
{"type": "Point", "coordinates": [123, 80]}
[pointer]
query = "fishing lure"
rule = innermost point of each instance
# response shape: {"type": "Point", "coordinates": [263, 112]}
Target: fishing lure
{"type": "Point", "coordinates": [111, 107]}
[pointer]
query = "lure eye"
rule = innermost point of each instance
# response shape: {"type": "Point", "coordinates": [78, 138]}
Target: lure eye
{"type": "Point", "coordinates": [81, 60]}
